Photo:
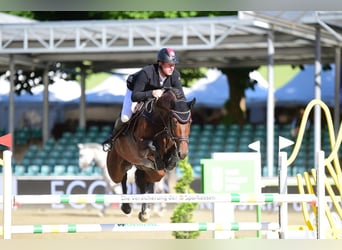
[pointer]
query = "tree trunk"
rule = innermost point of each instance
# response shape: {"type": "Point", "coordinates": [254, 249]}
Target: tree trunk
{"type": "Point", "coordinates": [237, 85]}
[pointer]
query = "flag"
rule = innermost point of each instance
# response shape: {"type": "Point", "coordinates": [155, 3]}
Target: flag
{"type": "Point", "coordinates": [6, 140]}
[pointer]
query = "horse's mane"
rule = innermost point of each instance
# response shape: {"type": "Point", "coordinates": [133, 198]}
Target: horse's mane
{"type": "Point", "coordinates": [179, 94]}
{"type": "Point", "coordinates": [179, 107]}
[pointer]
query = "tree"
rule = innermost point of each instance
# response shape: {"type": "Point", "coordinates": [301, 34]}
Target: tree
{"type": "Point", "coordinates": [239, 81]}
{"type": "Point", "coordinates": [26, 80]}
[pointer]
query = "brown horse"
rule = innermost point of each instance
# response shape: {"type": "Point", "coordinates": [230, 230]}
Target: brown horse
{"type": "Point", "coordinates": [156, 139]}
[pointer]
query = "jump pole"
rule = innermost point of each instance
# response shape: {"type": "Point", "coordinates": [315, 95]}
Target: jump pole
{"type": "Point", "coordinates": [167, 198]}
{"type": "Point", "coordinates": [7, 194]}
{"type": "Point", "coordinates": [6, 140]}
{"type": "Point", "coordinates": [320, 197]}
{"type": "Point", "coordinates": [149, 227]}
{"type": "Point", "coordinates": [321, 219]}
{"type": "Point", "coordinates": [282, 175]}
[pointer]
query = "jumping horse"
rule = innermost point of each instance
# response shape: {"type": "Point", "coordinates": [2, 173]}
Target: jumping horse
{"type": "Point", "coordinates": [156, 138]}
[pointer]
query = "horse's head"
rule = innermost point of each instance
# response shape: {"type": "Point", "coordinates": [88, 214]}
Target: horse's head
{"type": "Point", "coordinates": [179, 116]}
{"type": "Point", "coordinates": [180, 125]}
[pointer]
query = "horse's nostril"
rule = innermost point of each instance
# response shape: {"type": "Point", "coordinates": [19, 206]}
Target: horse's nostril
{"type": "Point", "coordinates": [182, 155]}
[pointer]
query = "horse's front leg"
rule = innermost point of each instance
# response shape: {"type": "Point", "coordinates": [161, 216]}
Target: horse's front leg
{"type": "Point", "coordinates": [145, 188]}
{"type": "Point", "coordinates": [145, 212]}
{"type": "Point", "coordinates": [125, 207]}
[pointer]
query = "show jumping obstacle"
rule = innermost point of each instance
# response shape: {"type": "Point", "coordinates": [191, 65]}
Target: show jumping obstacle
{"type": "Point", "coordinates": [168, 198]}
{"type": "Point", "coordinates": [9, 229]}
{"type": "Point", "coordinates": [282, 198]}
{"type": "Point", "coordinates": [148, 227]}
{"type": "Point", "coordinates": [332, 167]}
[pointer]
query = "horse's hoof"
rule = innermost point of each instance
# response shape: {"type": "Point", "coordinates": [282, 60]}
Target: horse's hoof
{"type": "Point", "coordinates": [126, 208]}
{"type": "Point", "coordinates": [143, 217]}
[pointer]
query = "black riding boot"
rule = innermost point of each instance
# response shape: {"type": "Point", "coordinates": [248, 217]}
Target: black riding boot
{"type": "Point", "coordinates": [107, 144]}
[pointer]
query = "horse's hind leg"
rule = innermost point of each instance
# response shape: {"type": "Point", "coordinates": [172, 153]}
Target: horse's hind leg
{"type": "Point", "coordinates": [125, 207]}
{"type": "Point", "coordinates": [145, 188]}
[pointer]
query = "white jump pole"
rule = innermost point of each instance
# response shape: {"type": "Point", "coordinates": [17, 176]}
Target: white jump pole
{"type": "Point", "coordinates": [147, 227]}
{"type": "Point", "coordinates": [283, 210]}
{"type": "Point", "coordinates": [282, 169]}
{"type": "Point", "coordinates": [7, 194]}
{"type": "Point", "coordinates": [167, 198]}
{"type": "Point", "coordinates": [320, 204]}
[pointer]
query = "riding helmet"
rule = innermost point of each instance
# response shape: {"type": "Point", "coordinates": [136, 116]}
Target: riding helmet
{"type": "Point", "coordinates": [167, 55]}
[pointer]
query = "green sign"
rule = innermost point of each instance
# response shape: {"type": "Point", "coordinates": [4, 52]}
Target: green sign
{"type": "Point", "coordinates": [231, 173]}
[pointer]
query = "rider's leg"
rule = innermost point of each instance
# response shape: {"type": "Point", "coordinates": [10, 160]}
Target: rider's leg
{"type": "Point", "coordinates": [107, 144]}
{"type": "Point", "coordinates": [127, 105]}
{"type": "Point", "coordinates": [121, 120]}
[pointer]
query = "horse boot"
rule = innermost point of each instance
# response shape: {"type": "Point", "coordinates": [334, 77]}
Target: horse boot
{"type": "Point", "coordinates": [108, 143]}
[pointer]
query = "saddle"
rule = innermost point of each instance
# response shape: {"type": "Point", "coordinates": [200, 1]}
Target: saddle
{"type": "Point", "coordinates": [140, 109]}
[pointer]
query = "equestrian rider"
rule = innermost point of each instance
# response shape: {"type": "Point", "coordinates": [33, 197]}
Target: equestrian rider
{"type": "Point", "coordinates": [147, 84]}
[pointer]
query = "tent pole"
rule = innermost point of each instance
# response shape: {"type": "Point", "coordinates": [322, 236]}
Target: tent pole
{"type": "Point", "coordinates": [45, 129]}
{"type": "Point", "coordinates": [11, 101]}
{"type": "Point", "coordinates": [82, 117]}
{"type": "Point", "coordinates": [337, 89]}
{"type": "Point", "coordinates": [270, 105]}
{"type": "Point", "coordinates": [317, 110]}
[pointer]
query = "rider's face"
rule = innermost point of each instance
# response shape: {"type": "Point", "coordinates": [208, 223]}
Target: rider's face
{"type": "Point", "coordinates": [167, 68]}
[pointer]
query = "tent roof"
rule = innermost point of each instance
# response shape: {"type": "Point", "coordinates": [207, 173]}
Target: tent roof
{"type": "Point", "coordinates": [234, 41]}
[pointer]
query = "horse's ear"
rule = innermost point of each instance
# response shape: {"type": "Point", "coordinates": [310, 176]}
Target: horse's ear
{"type": "Point", "coordinates": [191, 103]}
{"type": "Point", "coordinates": [80, 145]}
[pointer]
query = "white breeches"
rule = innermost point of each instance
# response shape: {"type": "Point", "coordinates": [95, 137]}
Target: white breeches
{"type": "Point", "coordinates": [127, 107]}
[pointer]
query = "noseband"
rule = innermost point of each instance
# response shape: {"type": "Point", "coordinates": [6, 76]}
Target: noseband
{"type": "Point", "coordinates": [182, 117]}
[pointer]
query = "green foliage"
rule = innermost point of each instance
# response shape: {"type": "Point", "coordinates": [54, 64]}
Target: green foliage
{"type": "Point", "coordinates": [117, 15]}
{"type": "Point", "coordinates": [189, 76]}
{"type": "Point", "coordinates": [183, 212]}
{"type": "Point", "coordinates": [26, 14]}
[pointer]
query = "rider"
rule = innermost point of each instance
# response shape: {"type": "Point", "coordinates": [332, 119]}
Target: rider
{"type": "Point", "coordinates": [147, 84]}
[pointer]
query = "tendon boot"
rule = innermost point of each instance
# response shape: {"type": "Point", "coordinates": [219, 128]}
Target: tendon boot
{"type": "Point", "coordinates": [108, 143]}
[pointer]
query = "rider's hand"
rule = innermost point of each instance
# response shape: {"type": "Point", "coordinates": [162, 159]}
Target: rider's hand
{"type": "Point", "coordinates": [157, 93]}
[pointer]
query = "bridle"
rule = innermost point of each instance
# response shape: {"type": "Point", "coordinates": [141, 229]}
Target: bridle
{"type": "Point", "coordinates": [182, 117]}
